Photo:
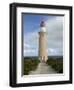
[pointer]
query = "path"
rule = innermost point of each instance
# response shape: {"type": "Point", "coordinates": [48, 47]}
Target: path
{"type": "Point", "coordinates": [43, 68]}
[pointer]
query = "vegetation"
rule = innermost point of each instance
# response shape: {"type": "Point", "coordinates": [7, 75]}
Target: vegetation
{"type": "Point", "coordinates": [56, 63]}
{"type": "Point", "coordinates": [30, 64]}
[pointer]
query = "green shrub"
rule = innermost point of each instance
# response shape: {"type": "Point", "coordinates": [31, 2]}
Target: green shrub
{"type": "Point", "coordinates": [30, 64]}
{"type": "Point", "coordinates": [56, 64]}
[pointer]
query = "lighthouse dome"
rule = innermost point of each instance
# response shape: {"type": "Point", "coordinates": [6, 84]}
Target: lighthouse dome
{"type": "Point", "coordinates": [42, 29]}
{"type": "Point", "coordinates": [42, 26]}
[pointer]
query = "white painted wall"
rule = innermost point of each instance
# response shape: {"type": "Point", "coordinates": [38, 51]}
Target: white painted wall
{"type": "Point", "coordinates": [4, 43]}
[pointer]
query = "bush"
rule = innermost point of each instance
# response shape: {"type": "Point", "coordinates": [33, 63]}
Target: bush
{"type": "Point", "coordinates": [56, 64]}
{"type": "Point", "coordinates": [30, 64]}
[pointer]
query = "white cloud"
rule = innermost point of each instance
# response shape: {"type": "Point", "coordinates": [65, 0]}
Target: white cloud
{"type": "Point", "coordinates": [54, 51]}
{"type": "Point", "coordinates": [31, 44]}
{"type": "Point", "coordinates": [30, 52]}
{"type": "Point", "coordinates": [51, 50]}
{"type": "Point", "coordinates": [26, 46]}
{"type": "Point", "coordinates": [55, 35]}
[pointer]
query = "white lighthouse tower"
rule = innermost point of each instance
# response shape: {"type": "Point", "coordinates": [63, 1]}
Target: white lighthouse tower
{"type": "Point", "coordinates": [43, 56]}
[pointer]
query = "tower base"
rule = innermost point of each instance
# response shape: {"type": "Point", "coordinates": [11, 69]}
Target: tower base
{"type": "Point", "coordinates": [43, 59]}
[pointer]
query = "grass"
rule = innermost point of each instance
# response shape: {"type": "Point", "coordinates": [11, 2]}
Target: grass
{"type": "Point", "coordinates": [56, 64]}
{"type": "Point", "coordinates": [30, 64]}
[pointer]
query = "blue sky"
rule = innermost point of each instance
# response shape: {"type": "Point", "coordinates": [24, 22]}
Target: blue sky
{"type": "Point", "coordinates": [31, 27]}
{"type": "Point", "coordinates": [31, 23]}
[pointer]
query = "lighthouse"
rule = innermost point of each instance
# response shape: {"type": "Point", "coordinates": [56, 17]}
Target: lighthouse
{"type": "Point", "coordinates": [43, 56]}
